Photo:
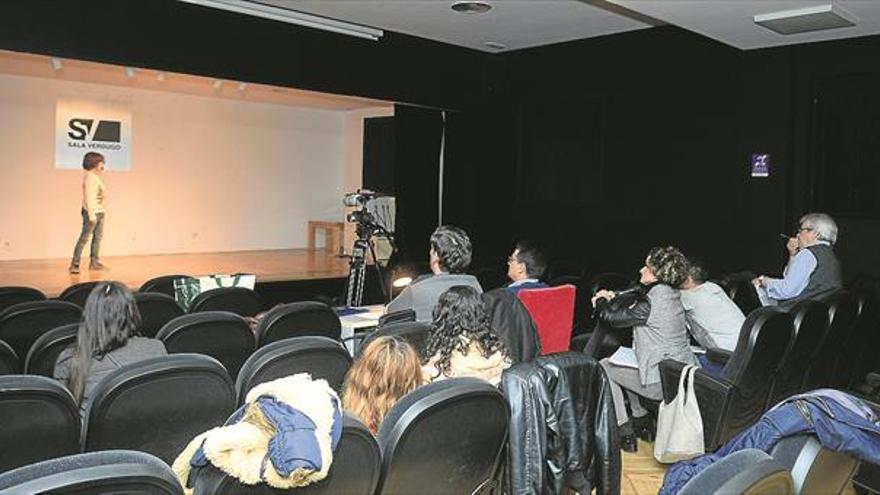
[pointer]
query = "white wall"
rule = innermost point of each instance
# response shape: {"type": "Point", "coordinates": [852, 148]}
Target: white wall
{"type": "Point", "coordinates": [208, 174]}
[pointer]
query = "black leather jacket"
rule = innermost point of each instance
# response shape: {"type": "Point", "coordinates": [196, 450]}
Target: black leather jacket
{"type": "Point", "coordinates": [562, 427]}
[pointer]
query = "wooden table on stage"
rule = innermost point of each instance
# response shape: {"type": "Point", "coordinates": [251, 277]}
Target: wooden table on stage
{"type": "Point", "coordinates": [333, 232]}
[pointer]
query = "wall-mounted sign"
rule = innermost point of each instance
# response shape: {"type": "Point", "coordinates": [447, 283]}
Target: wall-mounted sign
{"type": "Point", "coordinates": [83, 125]}
{"type": "Point", "coordinates": [760, 165]}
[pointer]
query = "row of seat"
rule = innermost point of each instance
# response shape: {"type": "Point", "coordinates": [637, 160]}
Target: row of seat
{"type": "Point", "coordinates": [778, 354]}
{"type": "Point", "coordinates": [445, 437]}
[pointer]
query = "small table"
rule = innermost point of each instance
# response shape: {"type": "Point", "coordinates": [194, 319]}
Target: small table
{"type": "Point", "coordinates": [333, 232]}
{"type": "Point", "coordinates": [359, 321]}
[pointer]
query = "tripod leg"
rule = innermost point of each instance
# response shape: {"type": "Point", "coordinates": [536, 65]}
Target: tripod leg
{"type": "Point", "coordinates": [386, 292]}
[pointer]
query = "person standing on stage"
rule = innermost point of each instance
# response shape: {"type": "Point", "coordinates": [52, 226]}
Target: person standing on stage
{"type": "Point", "coordinates": [94, 194]}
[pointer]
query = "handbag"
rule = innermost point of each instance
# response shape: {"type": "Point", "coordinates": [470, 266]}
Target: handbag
{"type": "Point", "coordinates": [679, 423]}
{"type": "Point", "coordinates": [186, 289]}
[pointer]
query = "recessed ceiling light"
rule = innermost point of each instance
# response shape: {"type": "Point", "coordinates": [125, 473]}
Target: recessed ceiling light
{"type": "Point", "coordinates": [495, 45]}
{"type": "Point", "coordinates": [471, 7]}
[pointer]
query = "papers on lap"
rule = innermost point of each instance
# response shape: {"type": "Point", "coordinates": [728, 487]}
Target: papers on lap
{"type": "Point", "coordinates": [624, 356]}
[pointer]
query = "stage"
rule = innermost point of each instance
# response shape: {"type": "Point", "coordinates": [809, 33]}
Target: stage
{"type": "Point", "coordinates": [278, 267]}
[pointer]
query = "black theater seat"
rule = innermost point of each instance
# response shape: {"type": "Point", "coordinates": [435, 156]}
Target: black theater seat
{"type": "Point", "coordinates": [44, 353]}
{"type": "Point", "coordinates": [158, 405]}
{"type": "Point", "coordinates": [78, 293]}
{"type": "Point", "coordinates": [10, 296]}
{"type": "Point", "coordinates": [810, 324]}
{"type": "Point", "coordinates": [298, 319]}
{"type": "Point", "coordinates": [9, 364]}
{"type": "Point", "coordinates": [734, 401]}
{"type": "Point", "coordinates": [162, 285]}
{"type": "Point", "coordinates": [22, 324]}
{"type": "Point", "coordinates": [238, 300]}
{"type": "Point", "coordinates": [94, 473]}
{"type": "Point", "coordinates": [414, 332]}
{"type": "Point", "coordinates": [156, 310]}
{"type": "Point", "coordinates": [355, 470]}
{"type": "Point", "coordinates": [445, 437]}
{"type": "Point", "coordinates": [843, 310]}
{"type": "Point", "coordinates": [224, 336]}
{"type": "Point", "coordinates": [38, 420]}
{"type": "Point", "coordinates": [321, 357]}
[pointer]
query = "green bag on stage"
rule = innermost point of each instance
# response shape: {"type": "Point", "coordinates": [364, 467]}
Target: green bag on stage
{"type": "Point", "coordinates": [185, 290]}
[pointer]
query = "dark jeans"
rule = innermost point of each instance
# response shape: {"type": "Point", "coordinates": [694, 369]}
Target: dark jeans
{"type": "Point", "coordinates": [96, 231]}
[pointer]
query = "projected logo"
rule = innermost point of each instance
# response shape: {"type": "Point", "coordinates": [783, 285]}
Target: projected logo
{"type": "Point", "coordinates": [83, 125]}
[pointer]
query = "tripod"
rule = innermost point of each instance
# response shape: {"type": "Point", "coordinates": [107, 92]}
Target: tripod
{"type": "Point", "coordinates": [357, 268]}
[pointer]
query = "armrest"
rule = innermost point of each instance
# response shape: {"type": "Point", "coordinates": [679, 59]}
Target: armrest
{"type": "Point", "coordinates": [713, 395]}
{"type": "Point", "coordinates": [717, 355]}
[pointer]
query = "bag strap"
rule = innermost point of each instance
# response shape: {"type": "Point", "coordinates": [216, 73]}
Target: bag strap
{"type": "Point", "coordinates": [682, 377]}
{"type": "Point", "coordinates": [219, 279]}
{"type": "Point", "coordinates": [690, 385]}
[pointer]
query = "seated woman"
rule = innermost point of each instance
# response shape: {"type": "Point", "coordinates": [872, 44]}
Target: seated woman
{"type": "Point", "coordinates": [461, 341]}
{"type": "Point", "coordinates": [657, 318]}
{"type": "Point", "coordinates": [107, 340]}
{"type": "Point", "coordinates": [386, 370]}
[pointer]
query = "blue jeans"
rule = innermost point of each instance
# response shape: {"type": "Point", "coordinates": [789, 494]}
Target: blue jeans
{"type": "Point", "coordinates": [96, 231]}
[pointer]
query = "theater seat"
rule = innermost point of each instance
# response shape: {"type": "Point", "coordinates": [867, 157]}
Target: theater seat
{"type": "Point", "coordinates": [414, 332]}
{"type": "Point", "coordinates": [552, 310]}
{"type": "Point", "coordinates": [158, 405]}
{"type": "Point", "coordinates": [814, 469]}
{"type": "Point", "coordinates": [238, 300]}
{"type": "Point", "coordinates": [842, 312]}
{"type": "Point", "coordinates": [743, 294]}
{"type": "Point", "coordinates": [22, 324]}
{"type": "Point", "coordinates": [44, 352]}
{"type": "Point", "coordinates": [445, 437]}
{"type": "Point", "coordinates": [78, 293]}
{"type": "Point", "coordinates": [401, 316]}
{"type": "Point", "coordinates": [11, 295]}
{"type": "Point", "coordinates": [732, 402]}
{"type": "Point", "coordinates": [810, 320]}
{"type": "Point", "coordinates": [746, 472]}
{"type": "Point", "coordinates": [9, 364]}
{"type": "Point", "coordinates": [298, 319]}
{"type": "Point", "coordinates": [355, 470]}
{"type": "Point", "coordinates": [162, 285]}
{"type": "Point", "coordinates": [94, 473]}
{"type": "Point", "coordinates": [156, 310]}
{"type": "Point", "coordinates": [321, 357]}
{"type": "Point", "coordinates": [38, 420]}
{"type": "Point", "coordinates": [224, 336]}
{"type": "Point", "coordinates": [859, 353]}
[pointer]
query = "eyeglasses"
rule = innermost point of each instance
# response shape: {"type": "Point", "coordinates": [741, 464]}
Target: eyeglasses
{"type": "Point", "coordinates": [804, 229]}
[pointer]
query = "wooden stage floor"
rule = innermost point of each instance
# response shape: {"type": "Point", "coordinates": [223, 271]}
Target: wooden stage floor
{"type": "Point", "coordinates": [51, 277]}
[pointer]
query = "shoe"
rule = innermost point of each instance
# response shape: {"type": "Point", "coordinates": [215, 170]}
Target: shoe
{"type": "Point", "coordinates": [74, 269]}
{"type": "Point", "coordinates": [629, 443]}
{"type": "Point", "coordinates": [644, 428]}
{"type": "Point", "coordinates": [97, 266]}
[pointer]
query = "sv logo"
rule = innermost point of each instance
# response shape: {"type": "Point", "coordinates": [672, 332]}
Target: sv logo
{"type": "Point", "coordinates": [92, 130]}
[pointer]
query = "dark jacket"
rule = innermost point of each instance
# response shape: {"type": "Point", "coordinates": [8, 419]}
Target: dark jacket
{"type": "Point", "coordinates": [513, 324]}
{"type": "Point", "coordinates": [562, 427]}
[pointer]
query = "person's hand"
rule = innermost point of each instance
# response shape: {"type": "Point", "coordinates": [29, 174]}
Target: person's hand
{"type": "Point", "coordinates": [759, 281]}
{"type": "Point", "coordinates": [793, 246]}
{"type": "Point", "coordinates": [603, 294]}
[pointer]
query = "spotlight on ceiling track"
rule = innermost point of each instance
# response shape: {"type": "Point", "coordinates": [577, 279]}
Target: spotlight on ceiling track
{"type": "Point", "coordinates": [56, 62]}
{"type": "Point", "coordinates": [129, 72]}
{"type": "Point", "coordinates": [471, 7]}
{"type": "Point", "coordinates": [258, 9]}
{"type": "Point", "coordinates": [218, 83]}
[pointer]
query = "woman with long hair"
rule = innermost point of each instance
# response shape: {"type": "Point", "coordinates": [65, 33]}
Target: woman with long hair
{"type": "Point", "coordinates": [107, 340]}
{"type": "Point", "coordinates": [388, 369]}
{"type": "Point", "coordinates": [461, 342]}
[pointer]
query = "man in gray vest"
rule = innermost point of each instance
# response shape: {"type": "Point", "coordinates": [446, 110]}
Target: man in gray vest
{"type": "Point", "coordinates": [813, 271]}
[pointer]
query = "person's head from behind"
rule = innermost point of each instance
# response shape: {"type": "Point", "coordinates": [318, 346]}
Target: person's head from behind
{"type": "Point", "coordinates": [387, 369]}
{"type": "Point", "coordinates": [93, 162]}
{"type": "Point", "coordinates": [527, 261]}
{"type": "Point", "coordinates": [460, 318]}
{"type": "Point", "coordinates": [110, 318]}
{"type": "Point", "coordinates": [665, 265]}
{"type": "Point", "coordinates": [450, 250]}
{"type": "Point", "coordinates": [815, 227]}
{"type": "Point", "coordinates": [696, 273]}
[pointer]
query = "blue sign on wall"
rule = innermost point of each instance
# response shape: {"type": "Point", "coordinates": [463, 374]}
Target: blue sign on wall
{"type": "Point", "coordinates": [760, 165]}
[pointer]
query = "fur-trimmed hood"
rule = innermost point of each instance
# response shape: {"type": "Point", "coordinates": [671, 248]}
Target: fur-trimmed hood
{"type": "Point", "coordinates": [293, 422]}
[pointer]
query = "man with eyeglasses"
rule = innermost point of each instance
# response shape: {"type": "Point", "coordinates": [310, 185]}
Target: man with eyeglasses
{"type": "Point", "coordinates": [813, 271]}
{"type": "Point", "coordinates": [525, 267]}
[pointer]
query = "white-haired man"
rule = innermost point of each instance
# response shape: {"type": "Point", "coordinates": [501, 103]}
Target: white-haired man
{"type": "Point", "coordinates": [813, 271]}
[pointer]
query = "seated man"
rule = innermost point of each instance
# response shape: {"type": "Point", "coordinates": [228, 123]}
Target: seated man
{"type": "Point", "coordinates": [712, 317]}
{"type": "Point", "coordinates": [525, 266]}
{"type": "Point", "coordinates": [450, 257]}
{"type": "Point", "coordinates": [813, 271]}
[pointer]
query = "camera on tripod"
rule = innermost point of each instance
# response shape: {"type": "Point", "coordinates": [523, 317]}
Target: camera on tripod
{"type": "Point", "coordinates": [374, 223]}
{"type": "Point", "coordinates": [363, 218]}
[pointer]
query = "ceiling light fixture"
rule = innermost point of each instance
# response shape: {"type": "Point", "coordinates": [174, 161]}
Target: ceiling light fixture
{"type": "Point", "coordinates": [471, 7]}
{"type": "Point", "coordinates": [218, 83]}
{"type": "Point", "coordinates": [56, 63]}
{"type": "Point", "coordinates": [805, 20]}
{"type": "Point", "coordinates": [129, 72]}
{"type": "Point", "coordinates": [495, 45]}
{"type": "Point", "coordinates": [292, 17]}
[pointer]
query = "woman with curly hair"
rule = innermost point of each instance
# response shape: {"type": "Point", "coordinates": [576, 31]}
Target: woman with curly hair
{"type": "Point", "coordinates": [461, 342]}
{"type": "Point", "coordinates": [657, 318]}
{"type": "Point", "coordinates": [386, 370]}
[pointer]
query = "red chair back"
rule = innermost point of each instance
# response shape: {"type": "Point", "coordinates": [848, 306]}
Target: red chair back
{"type": "Point", "coordinates": [552, 310]}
